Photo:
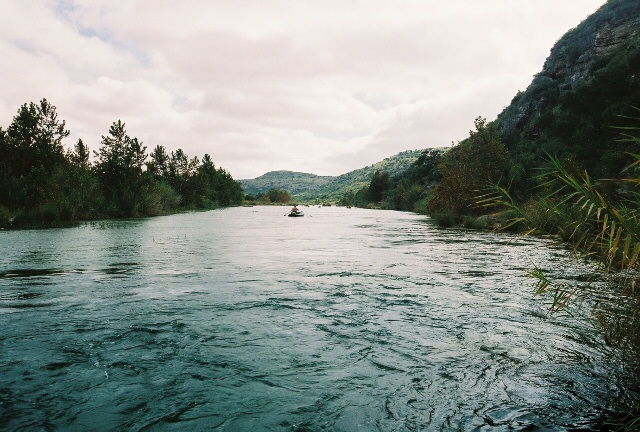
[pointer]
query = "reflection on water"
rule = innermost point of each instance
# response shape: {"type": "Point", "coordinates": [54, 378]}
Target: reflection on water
{"type": "Point", "coordinates": [241, 319]}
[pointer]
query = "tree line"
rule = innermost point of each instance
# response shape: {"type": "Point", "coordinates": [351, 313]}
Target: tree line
{"type": "Point", "coordinates": [274, 196]}
{"type": "Point", "coordinates": [442, 183]}
{"type": "Point", "coordinates": [44, 184]}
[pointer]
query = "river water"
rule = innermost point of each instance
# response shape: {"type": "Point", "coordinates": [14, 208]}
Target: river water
{"type": "Point", "coordinates": [242, 319]}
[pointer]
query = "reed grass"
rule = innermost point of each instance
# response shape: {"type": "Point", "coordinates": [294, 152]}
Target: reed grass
{"type": "Point", "coordinates": [601, 224]}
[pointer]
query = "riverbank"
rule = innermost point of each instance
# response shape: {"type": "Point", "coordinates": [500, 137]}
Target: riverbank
{"type": "Point", "coordinates": [22, 222]}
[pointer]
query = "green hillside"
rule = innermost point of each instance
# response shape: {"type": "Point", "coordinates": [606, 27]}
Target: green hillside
{"type": "Point", "coordinates": [355, 180]}
{"type": "Point", "coordinates": [293, 182]}
{"type": "Point", "coordinates": [310, 187]}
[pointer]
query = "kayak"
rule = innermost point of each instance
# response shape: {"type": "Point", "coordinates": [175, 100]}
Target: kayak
{"type": "Point", "coordinates": [296, 214]}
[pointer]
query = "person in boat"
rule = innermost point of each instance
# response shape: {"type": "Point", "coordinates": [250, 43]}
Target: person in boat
{"type": "Point", "coordinates": [294, 209]}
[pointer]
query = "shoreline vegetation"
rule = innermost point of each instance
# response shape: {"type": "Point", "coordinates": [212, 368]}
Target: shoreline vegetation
{"type": "Point", "coordinates": [43, 185]}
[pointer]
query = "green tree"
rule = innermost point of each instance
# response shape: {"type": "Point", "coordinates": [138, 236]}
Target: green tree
{"type": "Point", "coordinates": [32, 153]}
{"type": "Point", "coordinates": [380, 183]}
{"type": "Point", "coordinates": [7, 182]}
{"type": "Point", "coordinates": [210, 180]}
{"type": "Point", "coordinates": [229, 191]}
{"type": "Point", "coordinates": [158, 166]}
{"type": "Point", "coordinates": [183, 177]}
{"type": "Point", "coordinates": [279, 196]}
{"type": "Point", "coordinates": [82, 197]}
{"type": "Point", "coordinates": [425, 170]}
{"type": "Point", "coordinates": [120, 173]}
{"type": "Point", "coordinates": [79, 156]}
{"type": "Point", "coordinates": [467, 168]}
{"type": "Point", "coordinates": [348, 199]}
{"type": "Point", "coordinates": [35, 138]}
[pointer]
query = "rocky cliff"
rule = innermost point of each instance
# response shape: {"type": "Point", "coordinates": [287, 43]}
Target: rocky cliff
{"type": "Point", "coordinates": [614, 27]}
{"type": "Point", "coordinates": [590, 79]}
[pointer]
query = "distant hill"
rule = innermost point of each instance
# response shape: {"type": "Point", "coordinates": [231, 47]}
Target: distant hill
{"type": "Point", "coordinates": [307, 187]}
{"type": "Point", "coordinates": [355, 180]}
{"type": "Point", "coordinates": [293, 182]}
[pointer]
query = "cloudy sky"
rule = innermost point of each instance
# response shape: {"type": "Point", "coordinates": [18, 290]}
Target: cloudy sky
{"type": "Point", "coordinates": [316, 86]}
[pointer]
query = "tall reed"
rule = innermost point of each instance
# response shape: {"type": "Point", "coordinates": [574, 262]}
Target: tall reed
{"type": "Point", "coordinates": [600, 221]}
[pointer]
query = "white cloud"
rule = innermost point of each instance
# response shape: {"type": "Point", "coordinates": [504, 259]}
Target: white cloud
{"type": "Point", "coordinates": [322, 87]}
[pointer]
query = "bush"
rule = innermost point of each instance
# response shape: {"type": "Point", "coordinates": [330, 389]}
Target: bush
{"type": "Point", "coordinates": [473, 223]}
{"type": "Point", "coordinates": [5, 217]}
{"type": "Point", "coordinates": [445, 219]}
{"type": "Point", "coordinates": [421, 206]}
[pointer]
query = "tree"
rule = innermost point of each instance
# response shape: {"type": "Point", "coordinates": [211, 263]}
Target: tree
{"type": "Point", "coordinates": [209, 177]}
{"type": "Point", "coordinates": [467, 168]}
{"type": "Point", "coordinates": [279, 196]}
{"type": "Point", "coordinates": [425, 170]}
{"type": "Point", "coordinates": [158, 166]}
{"type": "Point", "coordinates": [380, 183]}
{"type": "Point", "coordinates": [79, 156]}
{"type": "Point", "coordinates": [32, 151]}
{"type": "Point", "coordinates": [41, 183]}
{"type": "Point", "coordinates": [119, 170]}
{"type": "Point", "coordinates": [229, 191]}
{"type": "Point", "coordinates": [7, 181]}
{"type": "Point", "coordinates": [35, 138]}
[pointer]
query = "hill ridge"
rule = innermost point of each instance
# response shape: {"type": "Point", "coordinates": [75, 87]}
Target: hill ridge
{"type": "Point", "coordinates": [308, 186]}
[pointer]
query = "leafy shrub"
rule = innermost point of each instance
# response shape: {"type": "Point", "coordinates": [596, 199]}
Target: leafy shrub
{"type": "Point", "coordinates": [445, 219]}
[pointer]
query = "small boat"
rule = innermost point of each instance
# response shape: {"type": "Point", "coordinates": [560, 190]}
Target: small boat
{"type": "Point", "coordinates": [298, 213]}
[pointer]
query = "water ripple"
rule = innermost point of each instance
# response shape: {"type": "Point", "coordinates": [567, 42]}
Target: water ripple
{"type": "Point", "coordinates": [350, 320]}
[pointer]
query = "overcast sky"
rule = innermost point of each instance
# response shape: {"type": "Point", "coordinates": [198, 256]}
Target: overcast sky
{"type": "Point", "coordinates": [315, 86]}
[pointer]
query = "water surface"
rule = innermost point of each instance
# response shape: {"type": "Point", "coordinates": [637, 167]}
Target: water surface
{"type": "Point", "coordinates": [243, 319]}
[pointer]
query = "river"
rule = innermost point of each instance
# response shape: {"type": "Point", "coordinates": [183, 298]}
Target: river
{"type": "Point", "coordinates": [245, 320]}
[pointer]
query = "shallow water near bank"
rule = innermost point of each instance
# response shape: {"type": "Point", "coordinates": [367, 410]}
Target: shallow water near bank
{"type": "Point", "coordinates": [242, 319]}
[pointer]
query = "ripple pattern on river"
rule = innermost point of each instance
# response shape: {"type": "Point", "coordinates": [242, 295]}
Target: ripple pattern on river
{"type": "Point", "coordinates": [346, 320]}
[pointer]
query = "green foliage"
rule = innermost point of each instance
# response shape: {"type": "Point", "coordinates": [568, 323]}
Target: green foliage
{"type": "Point", "coordinates": [296, 183]}
{"type": "Point", "coordinates": [405, 191]}
{"type": "Point", "coordinates": [472, 222]}
{"type": "Point", "coordinates": [420, 206]}
{"type": "Point", "coordinates": [158, 165]}
{"type": "Point", "coordinates": [279, 196]}
{"type": "Point", "coordinates": [348, 199]}
{"type": "Point", "coordinates": [80, 185]}
{"type": "Point", "coordinates": [313, 188]}
{"type": "Point", "coordinates": [361, 178]}
{"type": "Point", "coordinates": [479, 160]}
{"type": "Point", "coordinates": [380, 183]}
{"type": "Point", "coordinates": [42, 185]}
{"type": "Point", "coordinates": [119, 170]}
{"type": "Point", "coordinates": [445, 219]}
{"type": "Point", "coordinates": [34, 138]}
{"type": "Point", "coordinates": [567, 111]}
{"type": "Point", "coordinates": [425, 170]}
{"type": "Point", "coordinates": [31, 151]}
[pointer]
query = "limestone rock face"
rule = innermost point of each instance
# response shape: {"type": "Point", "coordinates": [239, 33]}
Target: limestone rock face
{"type": "Point", "coordinates": [614, 33]}
{"type": "Point", "coordinates": [611, 28]}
